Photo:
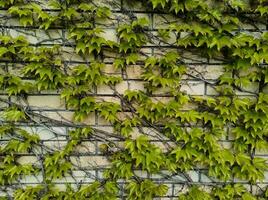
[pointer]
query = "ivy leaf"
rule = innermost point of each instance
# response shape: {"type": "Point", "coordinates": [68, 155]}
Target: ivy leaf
{"type": "Point", "coordinates": [119, 63]}
{"type": "Point", "coordinates": [25, 20]}
{"type": "Point", "coordinates": [80, 46]}
{"type": "Point", "coordinates": [86, 7]}
{"type": "Point", "coordinates": [132, 58]}
{"type": "Point", "coordinates": [159, 2]}
{"type": "Point", "coordinates": [3, 50]}
{"type": "Point", "coordinates": [14, 114]}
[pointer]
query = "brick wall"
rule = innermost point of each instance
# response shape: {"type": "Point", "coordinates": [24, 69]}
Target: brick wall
{"type": "Point", "coordinates": [49, 103]}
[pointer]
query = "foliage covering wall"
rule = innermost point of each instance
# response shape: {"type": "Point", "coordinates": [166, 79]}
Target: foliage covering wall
{"type": "Point", "coordinates": [136, 100]}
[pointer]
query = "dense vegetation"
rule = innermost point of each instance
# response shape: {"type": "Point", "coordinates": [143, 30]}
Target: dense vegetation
{"type": "Point", "coordinates": [190, 127]}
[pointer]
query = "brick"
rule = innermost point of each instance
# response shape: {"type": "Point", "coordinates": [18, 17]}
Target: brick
{"type": "Point", "coordinates": [86, 147]}
{"type": "Point", "coordinates": [112, 4]}
{"type": "Point", "coordinates": [194, 88]}
{"type": "Point", "coordinates": [253, 87]}
{"type": "Point", "coordinates": [193, 57]}
{"type": "Point", "coordinates": [179, 189]}
{"type": "Point", "coordinates": [104, 90]}
{"type": "Point", "coordinates": [108, 129]}
{"type": "Point", "coordinates": [163, 100]}
{"type": "Point", "coordinates": [39, 36]}
{"type": "Point", "coordinates": [226, 144]}
{"type": "Point", "coordinates": [36, 179]}
{"type": "Point", "coordinates": [163, 145]}
{"type": "Point", "coordinates": [111, 70]}
{"type": "Point", "coordinates": [15, 69]}
{"type": "Point", "coordinates": [3, 104]}
{"type": "Point", "coordinates": [205, 71]}
{"type": "Point", "coordinates": [136, 6]}
{"type": "Point", "coordinates": [134, 72]}
{"type": "Point", "coordinates": [194, 175]}
{"type": "Point", "coordinates": [210, 90]}
{"type": "Point", "coordinates": [49, 104]}
{"type": "Point", "coordinates": [90, 162]}
{"type": "Point", "coordinates": [162, 21]}
{"type": "Point", "coordinates": [111, 99]}
{"type": "Point", "coordinates": [139, 85]}
{"type": "Point", "coordinates": [69, 55]}
{"type": "Point", "coordinates": [66, 116]}
{"type": "Point", "coordinates": [109, 34]}
{"type": "Point", "coordinates": [141, 174]}
{"type": "Point", "coordinates": [251, 27]}
{"type": "Point", "coordinates": [46, 102]}
{"type": "Point", "coordinates": [207, 179]}
{"type": "Point", "coordinates": [144, 53]}
{"type": "Point", "coordinates": [51, 133]}
{"type": "Point", "coordinates": [28, 160]}
{"type": "Point", "coordinates": [122, 87]}
{"type": "Point", "coordinates": [261, 152]}
{"type": "Point", "coordinates": [56, 144]}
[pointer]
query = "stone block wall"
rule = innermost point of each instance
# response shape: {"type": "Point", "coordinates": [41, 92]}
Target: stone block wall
{"type": "Point", "coordinates": [202, 73]}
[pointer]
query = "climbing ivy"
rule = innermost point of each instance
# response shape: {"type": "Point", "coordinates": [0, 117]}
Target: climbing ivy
{"type": "Point", "coordinates": [190, 128]}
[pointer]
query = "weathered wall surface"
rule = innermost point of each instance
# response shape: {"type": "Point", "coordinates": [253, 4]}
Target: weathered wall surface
{"type": "Point", "coordinates": [201, 74]}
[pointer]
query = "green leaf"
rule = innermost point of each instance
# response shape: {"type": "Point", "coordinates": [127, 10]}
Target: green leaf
{"type": "Point", "coordinates": [132, 58]}
{"type": "Point", "coordinates": [3, 50]}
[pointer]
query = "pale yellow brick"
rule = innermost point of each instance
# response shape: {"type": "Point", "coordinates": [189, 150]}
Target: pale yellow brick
{"type": "Point", "coordinates": [151, 133]}
{"type": "Point", "coordinates": [144, 53]}
{"type": "Point", "coordinates": [104, 89]}
{"type": "Point", "coordinates": [180, 189]}
{"type": "Point", "coordinates": [104, 129]}
{"type": "Point", "coordinates": [56, 144]}
{"type": "Point", "coordinates": [253, 27]}
{"type": "Point", "coordinates": [15, 69]}
{"type": "Point", "coordinates": [253, 87]}
{"type": "Point", "coordinates": [49, 133]}
{"type": "Point", "coordinates": [109, 34]}
{"type": "Point", "coordinates": [155, 39]}
{"type": "Point", "coordinates": [85, 147]}
{"type": "Point", "coordinates": [193, 88]}
{"type": "Point", "coordinates": [110, 69]}
{"type": "Point", "coordinates": [163, 100]}
{"type": "Point", "coordinates": [205, 71]}
{"type": "Point", "coordinates": [160, 52]}
{"type": "Point", "coordinates": [3, 104]}
{"type": "Point", "coordinates": [111, 99]}
{"type": "Point", "coordinates": [24, 160]}
{"type": "Point", "coordinates": [261, 151]}
{"type": "Point", "coordinates": [189, 106]}
{"type": "Point", "coordinates": [136, 85]}
{"type": "Point", "coordinates": [32, 179]}
{"type": "Point", "coordinates": [73, 178]}
{"type": "Point", "coordinates": [90, 161]}
{"type": "Point", "coordinates": [66, 116]}
{"type": "Point", "coordinates": [134, 71]}
{"type": "Point", "coordinates": [114, 4]}
{"type": "Point", "coordinates": [164, 146]}
{"type": "Point", "coordinates": [193, 57]}
{"type": "Point", "coordinates": [122, 87]}
{"type": "Point", "coordinates": [10, 21]}
{"type": "Point", "coordinates": [210, 90]}
{"type": "Point", "coordinates": [69, 54]}
{"type": "Point", "coordinates": [162, 21]}
{"type": "Point", "coordinates": [90, 120]}
{"type": "Point", "coordinates": [35, 36]}
{"type": "Point", "coordinates": [141, 174]}
{"type": "Point", "coordinates": [46, 102]}
{"type": "Point", "coordinates": [226, 144]}
{"type": "Point", "coordinates": [125, 115]}
{"type": "Point", "coordinates": [137, 6]}
{"type": "Point", "coordinates": [101, 121]}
